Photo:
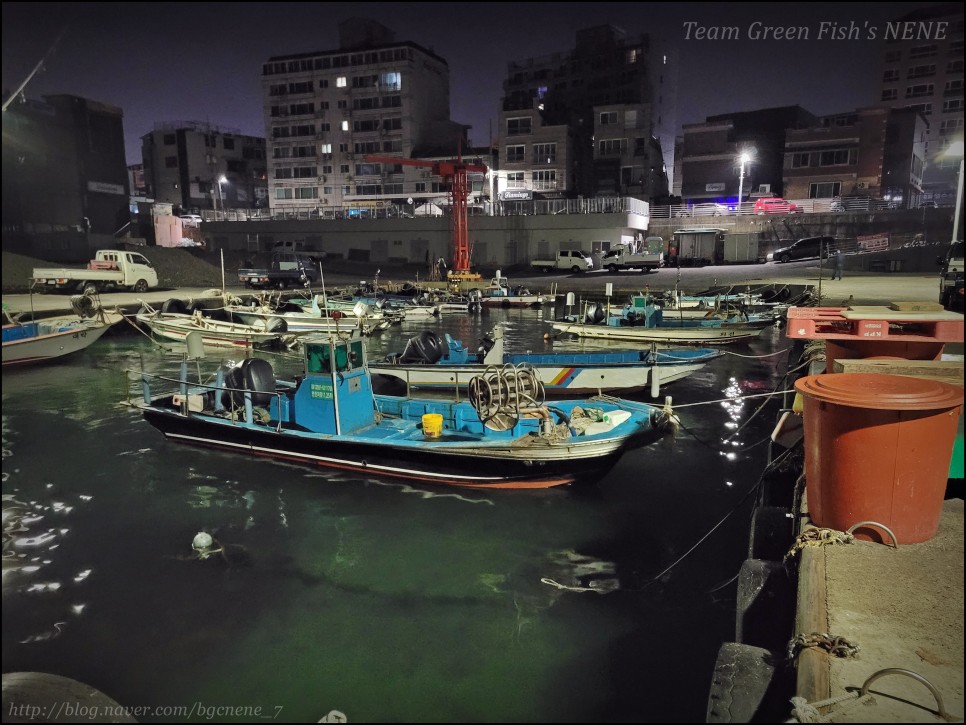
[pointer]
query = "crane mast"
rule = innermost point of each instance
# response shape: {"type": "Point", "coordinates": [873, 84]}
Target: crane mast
{"type": "Point", "coordinates": [454, 173]}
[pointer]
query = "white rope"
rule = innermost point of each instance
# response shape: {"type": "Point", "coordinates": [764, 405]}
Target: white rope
{"type": "Point", "coordinates": [756, 357]}
{"type": "Point", "coordinates": [732, 400]}
{"type": "Point", "coordinates": [804, 711]}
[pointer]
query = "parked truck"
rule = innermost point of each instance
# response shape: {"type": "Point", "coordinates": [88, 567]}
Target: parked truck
{"type": "Point", "coordinates": [649, 257]}
{"type": "Point", "coordinates": [109, 270]}
{"type": "Point", "coordinates": [286, 269]}
{"type": "Point", "coordinates": [573, 260]}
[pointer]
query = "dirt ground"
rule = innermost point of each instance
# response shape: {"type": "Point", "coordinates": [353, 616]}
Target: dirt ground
{"type": "Point", "coordinates": [904, 608]}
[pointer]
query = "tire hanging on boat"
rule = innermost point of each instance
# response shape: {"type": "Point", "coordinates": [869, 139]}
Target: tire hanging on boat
{"type": "Point", "coordinates": [174, 306]}
{"type": "Point", "coordinates": [83, 305]}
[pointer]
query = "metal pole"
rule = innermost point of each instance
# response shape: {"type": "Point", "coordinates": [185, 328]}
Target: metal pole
{"type": "Point", "coordinates": [741, 185]}
{"type": "Point", "coordinates": [959, 203]}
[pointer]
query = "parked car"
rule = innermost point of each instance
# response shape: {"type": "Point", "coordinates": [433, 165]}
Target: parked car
{"type": "Point", "coordinates": [704, 209]}
{"type": "Point", "coordinates": [776, 205]}
{"type": "Point", "coordinates": [191, 220]}
{"type": "Point", "coordinates": [806, 248]}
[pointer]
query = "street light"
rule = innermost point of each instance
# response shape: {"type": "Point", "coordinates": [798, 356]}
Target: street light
{"type": "Point", "coordinates": [743, 159]}
{"type": "Point", "coordinates": [221, 200]}
{"type": "Point", "coordinates": [956, 149]}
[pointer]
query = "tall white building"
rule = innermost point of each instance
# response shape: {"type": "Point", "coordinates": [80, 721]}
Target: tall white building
{"type": "Point", "coordinates": [326, 111]}
{"type": "Point", "coordinates": [923, 69]}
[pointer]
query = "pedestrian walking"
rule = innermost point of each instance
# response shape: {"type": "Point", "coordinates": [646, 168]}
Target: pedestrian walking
{"type": "Point", "coordinates": [839, 267]}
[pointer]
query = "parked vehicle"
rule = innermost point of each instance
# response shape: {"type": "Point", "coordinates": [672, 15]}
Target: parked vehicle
{"type": "Point", "coordinates": [806, 248]}
{"type": "Point", "coordinates": [951, 276]}
{"type": "Point", "coordinates": [776, 205]}
{"type": "Point", "coordinates": [621, 257]}
{"type": "Point", "coordinates": [287, 268]}
{"type": "Point", "coordinates": [575, 261]}
{"type": "Point", "coordinates": [110, 269]}
{"type": "Point", "coordinates": [191, 220]}
{"type": "Point", "coordinates": [704, 209]}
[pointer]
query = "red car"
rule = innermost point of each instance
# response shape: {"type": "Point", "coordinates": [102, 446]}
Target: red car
{"type": "Point", "coordinates": [774, 205]}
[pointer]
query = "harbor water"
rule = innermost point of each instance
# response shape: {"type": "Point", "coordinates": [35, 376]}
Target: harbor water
{"type": "Point", "coordinates": [385, 601]}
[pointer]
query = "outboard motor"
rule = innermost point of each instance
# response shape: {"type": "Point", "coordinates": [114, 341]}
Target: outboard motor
{"type": "Point", "coordinates": [486, 344]}
{"type": "Point", "coordinates": [426, 347]}
{"type": "Point", "coordinates": [254, 374]}
{"type": "Point", "coordinates": [595, 314]}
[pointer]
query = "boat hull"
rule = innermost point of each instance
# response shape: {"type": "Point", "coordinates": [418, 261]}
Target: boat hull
{"type": "Point", "coordinates": [177, 327]}
{"type": "Point", "coordinates": [47, 347]}
{"type": "Point", "coordinates": [556, 379]}
{"type": "Point", "coordinates": [514, 467]}
{"type": "Point", "coordinates": [690, 335]}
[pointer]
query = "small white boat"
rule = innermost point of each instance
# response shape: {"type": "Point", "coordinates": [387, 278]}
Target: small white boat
{"type": "Point", "coordinates": [29, 343]}
{"type": "Point", "coordinates": [177, 326]}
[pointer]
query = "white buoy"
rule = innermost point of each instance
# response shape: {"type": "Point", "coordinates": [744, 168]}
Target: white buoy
{"type": "Point", "coordinates": [196, 344]}
{"type": "Point", "coordinates": [655, 380]}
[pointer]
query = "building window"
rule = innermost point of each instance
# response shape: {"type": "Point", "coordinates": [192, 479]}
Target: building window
{"type": "Point", "coordinates": [281, 152]}
{"type": "Point", "coordinates": [951, 127]}
{"type": "Point", "coordinates": [344, 169]}
{"type": "Point", "coordinates": [890, 94]}
{"type": "Point", "coordinates": [420, 187]}
{"type": "Point", "coordinates": [518, 126]}
{"type": "Point", "coordinates": [954, 86]}
{"type": "Point", "coordinates": [283, 173]}
{"type": "Point", "coordinates": [170, 162]}
{"type": "Point", "coordinates": [340, 82]}
{"type": "Point", "coordinates": [305, 172]}
{"type": "Point", "coordinates": [608, 118]}
{"type": "Point", "coordinates": [343, 148]}
{"type": "Point", "coordinates": [953, 106]}
{"type": "Point", "coordinates": [917, 91]}
{"type": "Point", "coordinates": [391, 81]}
{"type": "Point", "coordinates": [893, 56]}
{"type": "Point", "coordinates": [514, 180]}
{"type": "Point", "coordinates": [516, 153]}
{"type": "Point", "coordinates": [612, 146]}
{"type": "Point", "coordinates": [345, 125]}
{"type": "Point", "coordinates": [922, 51]}
{"type": "Point", "coordinates": [169, 139]}
{"type": "Point", "coordinates": [283, 194]}
{"type": "Point", "coordinates": [307, 192]}
{"type": "Point", "coordinates": [544, 153]}
{"type": "Point", "coordinates": [921, 71]}
{"type": "Point", "coordinates": [324, 83]}
{"type": "Point", "coordinates": [326, 148]}
{"type": "Point", "coordinates": [924, 108]}
{"type": "Point", "coordinates": [954, 66]}
{"type": "Point", "coordinates": [544, 179]}
{"type": "Point", "coordinates": [327, 190]}
{"type": "Point", "coordinates": [890, 75]}
{"type": "Point", "coordinates": [825, 190]}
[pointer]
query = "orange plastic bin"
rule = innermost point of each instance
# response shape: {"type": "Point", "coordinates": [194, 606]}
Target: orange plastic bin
{"type": "Point", "coordinates": [877, 448]}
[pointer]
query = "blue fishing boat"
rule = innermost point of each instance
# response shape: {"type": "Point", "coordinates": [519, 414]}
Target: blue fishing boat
{"type": "Point", "coordinates": [430, 362]}
{"type": "Point", "coordinates": [504, 436]}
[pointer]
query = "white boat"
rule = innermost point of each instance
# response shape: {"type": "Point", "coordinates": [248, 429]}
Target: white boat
{"type": "Point", "coordinates": [214, 333]}
{"type": "Point", "coordinates": [32, 342]}
{"type": "Point", "coordinates": [430, 362]}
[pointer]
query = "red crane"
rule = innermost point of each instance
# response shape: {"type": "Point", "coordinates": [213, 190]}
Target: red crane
{"type": "Point", "coordinates": [453, 173]}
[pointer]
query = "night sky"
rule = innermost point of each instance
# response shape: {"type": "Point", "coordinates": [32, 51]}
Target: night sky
{"type": "Point", "coordinates": [168, 62]}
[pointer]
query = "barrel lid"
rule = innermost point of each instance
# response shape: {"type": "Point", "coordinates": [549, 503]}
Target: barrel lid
{"type": "Point", "coordinates": [882, 392]}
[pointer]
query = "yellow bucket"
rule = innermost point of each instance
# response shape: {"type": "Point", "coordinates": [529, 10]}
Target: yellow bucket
{"type": "Point", "coordinates": [432, 425]}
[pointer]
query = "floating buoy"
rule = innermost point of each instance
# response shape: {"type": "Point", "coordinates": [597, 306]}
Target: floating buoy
{"type": "Point", "coordinates": [547, 336]}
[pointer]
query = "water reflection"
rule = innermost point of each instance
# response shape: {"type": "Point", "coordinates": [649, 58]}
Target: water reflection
{"type": "Point", "coordinates": [387, 601]}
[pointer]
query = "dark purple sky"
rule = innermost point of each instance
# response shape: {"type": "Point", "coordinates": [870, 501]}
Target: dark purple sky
{"type": "Point", "coordinates": [164, 62]}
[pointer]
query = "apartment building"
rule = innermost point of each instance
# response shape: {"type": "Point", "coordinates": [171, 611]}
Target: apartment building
{"type": "Point", "coordinates": [592, 121]}
{"type": "Point", "coordinates": [327, 111]}
{"type": "Point", "coordinates": [873, 152]}
{"type": "Point", "coordinates": [922, 69]}
{"type": "Point", "coordinates": [197, 166]}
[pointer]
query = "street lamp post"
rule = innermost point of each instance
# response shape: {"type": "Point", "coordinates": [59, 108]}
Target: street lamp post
{"type": "Point", "coordinates": [221, 199]}
{"type": "Point", "coordinates": [743, 159]}
{"type": "Point", "coordinates": [956, 149]}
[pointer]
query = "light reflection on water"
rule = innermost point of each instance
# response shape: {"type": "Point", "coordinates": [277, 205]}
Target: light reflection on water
{"type": "Point", "coordinates": [383, 600]}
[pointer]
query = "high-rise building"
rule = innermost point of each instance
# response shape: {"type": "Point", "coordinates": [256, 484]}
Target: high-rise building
{"type": "Point", "coordinates": [325, 112]}
{"type": "Point", "coordinates": [194, 165]}
{"type": "Point", "coordinates": [595, 120]}
{"type": "Point", "coordinates": [923, 69]}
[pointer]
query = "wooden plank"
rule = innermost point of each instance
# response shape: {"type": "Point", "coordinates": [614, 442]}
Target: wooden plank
{"type": "Point", "coordinates": [941, 370]}
{"type": "Point", "coordinates": [881, 312]}
{"type": "Point", "coordinates": [813, 681]}
{"type": "Point", "coordinates": [917, 306]}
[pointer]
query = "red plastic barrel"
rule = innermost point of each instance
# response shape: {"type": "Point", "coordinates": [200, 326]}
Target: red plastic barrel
{"type": "Point", "coordinates": [877, 448]}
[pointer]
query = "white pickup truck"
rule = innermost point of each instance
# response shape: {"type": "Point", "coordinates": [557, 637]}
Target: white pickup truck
{"type": "Point", "coordinates": [110, 269]}
{"type": "Point", "coordinates": [649, 256]}
{"type": "Point", "coordinates": [575, 261]}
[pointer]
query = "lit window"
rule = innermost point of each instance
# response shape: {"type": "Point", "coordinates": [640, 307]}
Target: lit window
{"type": "Point", "coordinates": [345, 125]}
{"type": "Point", "coordinates": [340, 82]}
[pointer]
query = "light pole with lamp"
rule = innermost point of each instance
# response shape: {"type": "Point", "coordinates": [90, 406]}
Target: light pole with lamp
{"type": "Point", "coordinates": [956, 149]}
{"type": "Point", "coordinates": [742, 160]}
{"type": "Point", "coordinates": [221, 199]}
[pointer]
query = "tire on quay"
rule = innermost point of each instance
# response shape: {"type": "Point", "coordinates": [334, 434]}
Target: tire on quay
{"type": "Point", "coordinates": [747, 686]}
